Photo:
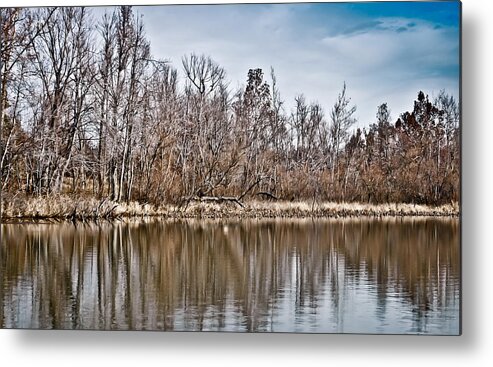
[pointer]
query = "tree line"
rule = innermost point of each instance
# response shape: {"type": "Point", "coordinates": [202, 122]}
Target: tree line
{"type": "Point", "coordinates": [87, 110]}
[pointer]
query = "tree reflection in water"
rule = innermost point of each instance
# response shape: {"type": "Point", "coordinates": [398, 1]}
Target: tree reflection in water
{"type": "Point", "coordinates": [353, 275]}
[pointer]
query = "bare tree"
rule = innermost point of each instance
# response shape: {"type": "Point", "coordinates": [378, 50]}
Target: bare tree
{"type": "Point", "coordinates": [342, 120]}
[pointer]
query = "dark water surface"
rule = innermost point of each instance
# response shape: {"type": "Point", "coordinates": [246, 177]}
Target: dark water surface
{"type": "Point", "coordinates": [349, 276]}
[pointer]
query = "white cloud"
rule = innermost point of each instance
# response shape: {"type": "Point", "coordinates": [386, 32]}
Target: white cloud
{"type": "Point", "coordinates": [382, 60]}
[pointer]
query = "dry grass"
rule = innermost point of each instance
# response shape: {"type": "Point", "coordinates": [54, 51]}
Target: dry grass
{"type": "Point", "coordinates": [68, 208]}
{"type": "Point", "coordinates": [265, 209]}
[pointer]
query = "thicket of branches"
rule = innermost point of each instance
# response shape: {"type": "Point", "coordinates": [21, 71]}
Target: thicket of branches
{"type": "Point", "coordinates": [86, 109]}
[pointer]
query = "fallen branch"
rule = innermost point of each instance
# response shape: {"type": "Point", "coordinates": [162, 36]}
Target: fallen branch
{"type": "Point", "coordinates": [216, 199]}
{"type": "Point", "coordinates": [268, 194]}
{"type": "Point", "coordinates": [260, 179]}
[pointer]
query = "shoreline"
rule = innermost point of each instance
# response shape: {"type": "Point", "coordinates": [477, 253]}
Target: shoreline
{"type": "Point", "coordinates": [64, 208]}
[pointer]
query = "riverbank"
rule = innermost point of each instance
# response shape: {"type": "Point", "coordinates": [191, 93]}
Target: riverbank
{"type": "Point", "coordinates": [68, 208]}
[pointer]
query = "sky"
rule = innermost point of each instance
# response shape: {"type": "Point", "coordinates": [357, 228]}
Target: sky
{"type": "Point", "coordinates": [384, 51]}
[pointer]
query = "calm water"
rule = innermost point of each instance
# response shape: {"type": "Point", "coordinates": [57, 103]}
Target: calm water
{"type": "Point", "coordinates": [350, 276]}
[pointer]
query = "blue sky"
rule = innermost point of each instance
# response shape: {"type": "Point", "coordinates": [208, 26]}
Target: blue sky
{"type": "Point", "coordinates": [384, 51]}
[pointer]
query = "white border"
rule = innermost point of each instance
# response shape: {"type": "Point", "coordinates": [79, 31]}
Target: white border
{"type": "Point", "coordinates": [474, 348]}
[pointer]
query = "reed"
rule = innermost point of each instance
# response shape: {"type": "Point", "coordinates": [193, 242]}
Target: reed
{"type": "Point", "coordinates": [69, 208]}
{"type": "Point", "coordinates": [265, 209]}
{"type": "Point", "coordinates": [83, 208]}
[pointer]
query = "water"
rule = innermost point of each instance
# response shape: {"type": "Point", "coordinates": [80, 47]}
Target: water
{"type": "Point", "coordinates": [336, 276]}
